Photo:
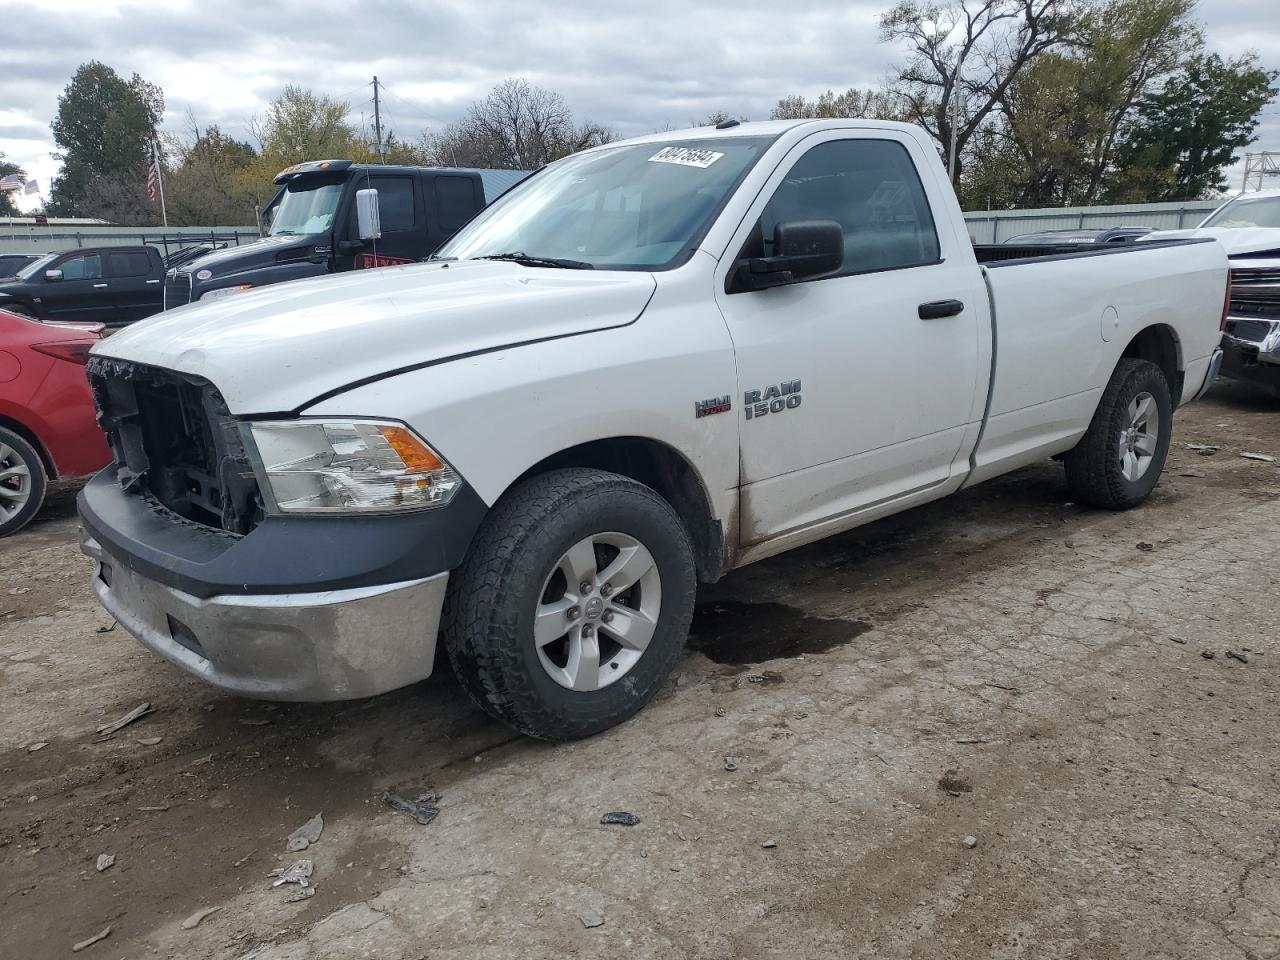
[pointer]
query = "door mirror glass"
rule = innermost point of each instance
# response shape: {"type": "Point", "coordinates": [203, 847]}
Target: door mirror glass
{"type": "Point", "coordinates": [368, 221]}
{"type": "Point", "coordinates": [803, 250]}
{"type": "Point", "coordinates": [53, 275]}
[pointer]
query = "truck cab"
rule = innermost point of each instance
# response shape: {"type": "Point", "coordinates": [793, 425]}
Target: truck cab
{"type": "Point", "coordinates": [313, 227]}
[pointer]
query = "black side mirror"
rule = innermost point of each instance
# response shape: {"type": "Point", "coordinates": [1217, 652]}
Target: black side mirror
{"type": "Point", "coordinates": [803, 250]}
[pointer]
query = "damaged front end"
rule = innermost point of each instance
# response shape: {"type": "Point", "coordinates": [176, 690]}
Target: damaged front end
{"type": "Point", "coordinates": [1251, 335]}
{"type": "Point", "coordinates": [175, 441]}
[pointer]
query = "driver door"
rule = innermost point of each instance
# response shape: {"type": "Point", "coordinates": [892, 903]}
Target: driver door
{"type": "Point", "coordinates": [851, 400]}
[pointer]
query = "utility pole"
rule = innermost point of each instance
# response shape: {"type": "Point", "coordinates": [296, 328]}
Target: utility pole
{"type": "Point", "coordinates": [955, 120]}
{"type": "Point", "coordinates": [377, 120]}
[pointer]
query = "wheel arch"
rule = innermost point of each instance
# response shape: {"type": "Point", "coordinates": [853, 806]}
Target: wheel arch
{"type": "Point", "coordinates": [1159, 343]}
{"type": "Point", "coordinates": [661, 467]}
{"type": "Point", "coordinates": [29, 435]}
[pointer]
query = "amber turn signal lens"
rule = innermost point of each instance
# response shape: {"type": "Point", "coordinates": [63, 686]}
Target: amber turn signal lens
{"type": "Point", "coordinates": [411, 450]}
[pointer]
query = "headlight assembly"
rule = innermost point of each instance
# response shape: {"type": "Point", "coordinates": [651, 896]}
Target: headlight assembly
{"type": "Point", "coordinates": [224, 291]}
{"type": "Point", "coordinates": [350, 466]}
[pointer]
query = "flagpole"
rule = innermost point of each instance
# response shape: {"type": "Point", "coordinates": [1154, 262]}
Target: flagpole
{"type": "Point", "coordinates": [155, 152]}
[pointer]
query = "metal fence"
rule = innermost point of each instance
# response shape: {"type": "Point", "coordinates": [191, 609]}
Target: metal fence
{"type": "Point", "coordinates": [989, 226]}
{"type": "Point", "coordinates": [997, 226]}
{"type": "Point", "coordinates": [24, 238]}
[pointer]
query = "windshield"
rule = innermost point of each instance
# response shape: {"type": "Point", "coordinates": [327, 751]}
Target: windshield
{"type": "Point", "coordinates": [307, 206]}
{"type": "Point", "coordinates": [35, 266]}
{"type": "Point", "coordinates": [640, 207]}
{"type": "Point", "coordinates": [1247, 212]}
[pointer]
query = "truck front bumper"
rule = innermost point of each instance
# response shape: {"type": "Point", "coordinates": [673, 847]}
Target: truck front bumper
{"type": "Point", "coordinates": [331, 645]}
{"type": "Point", "coordinates": [1251, 345]}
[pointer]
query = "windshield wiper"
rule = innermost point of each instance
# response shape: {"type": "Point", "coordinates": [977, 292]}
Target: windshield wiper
{"type": "Point", "coordinates": [527, 261]}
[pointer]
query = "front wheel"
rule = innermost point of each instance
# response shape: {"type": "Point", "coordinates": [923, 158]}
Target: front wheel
{"type": "Point", "coordinates": [1119, 460]}
{"type": "Point", "coordinates": [573, 604]}
{"type": "Point", "coordinates": [23, 482]}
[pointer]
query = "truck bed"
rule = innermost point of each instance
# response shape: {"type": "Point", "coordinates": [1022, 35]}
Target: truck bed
{"type": "Point", "coordinates": [1009, 254]}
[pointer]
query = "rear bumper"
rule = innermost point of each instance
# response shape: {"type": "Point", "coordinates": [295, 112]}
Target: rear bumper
{"type": "Point", "coordinates": [1210, 374]}
{"type": "Point", "coordinates": [328, 645]}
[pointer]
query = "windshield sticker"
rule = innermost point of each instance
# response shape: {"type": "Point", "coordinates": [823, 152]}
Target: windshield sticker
{"type": "Point", "coordinates": [686, 157]}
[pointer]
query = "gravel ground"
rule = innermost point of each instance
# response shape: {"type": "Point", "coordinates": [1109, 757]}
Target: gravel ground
{"type": "Point", "coordinates": [1088, 696]}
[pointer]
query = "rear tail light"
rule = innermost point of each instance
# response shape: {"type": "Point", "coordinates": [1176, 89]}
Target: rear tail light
{"type": "Point", "coordinates": [77, 351]}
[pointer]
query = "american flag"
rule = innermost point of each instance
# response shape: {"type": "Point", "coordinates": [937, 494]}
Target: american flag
{"type": "Point", "coordinates": [153, 170]}
{"type": "Point", "coordinates": [31, 187]}
{"type": "Point", "coordinates": [12, 183]}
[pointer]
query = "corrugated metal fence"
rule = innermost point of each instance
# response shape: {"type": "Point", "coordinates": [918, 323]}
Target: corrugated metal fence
{"type": "Point", "coordinates": [991, 226]}
{"type": "Point", "coordinates": [23, 238]}
{"type": "Point", "coordinates": [997, 226]}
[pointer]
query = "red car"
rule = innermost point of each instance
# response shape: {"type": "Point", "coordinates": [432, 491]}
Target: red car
{"type": "Point", "coordinates": [48, 427]}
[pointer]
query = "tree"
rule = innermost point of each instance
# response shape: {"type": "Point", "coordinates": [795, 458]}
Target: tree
{"type": "Point", "coordinates": [7, 207]}
{"type": "Point", "coordinates": [517, 126]}
{"type": "Point", "coordinates": [212, 182]}
{"type": "Point", "coordinates": [1187, 132]}
{"type": "Point", "coordinates": [996, 40]}
{"type": "Point", "coordinates": [299, 125]}
{"type": "Point", "coordinates": [1054, 140]}
{"type": "Point", "coordinates": [103, 126]}
{"type": "Point", "coordinates": [853, 103]}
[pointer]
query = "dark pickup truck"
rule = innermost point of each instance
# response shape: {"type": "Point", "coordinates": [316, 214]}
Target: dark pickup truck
{"type": "Point", "coordinates": [314, 226]}
{"type": "Point", "coordinates": [111, 285]}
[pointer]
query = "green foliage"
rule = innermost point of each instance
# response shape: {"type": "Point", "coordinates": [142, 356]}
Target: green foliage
{"type": "Point", "coordinates": [1187, 132]}
{"type": "Point", "coordinates": [103, 126]}
{"type": "Point", "coordinates": [7, 206]}
{"type": "Point", "coordinates": [212, 182]}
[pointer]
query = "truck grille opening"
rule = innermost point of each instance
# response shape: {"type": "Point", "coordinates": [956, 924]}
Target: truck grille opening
{"type": "Point", "coordinates": [177, 289]}
{"type": "Point", "coordinates": [174, 439]}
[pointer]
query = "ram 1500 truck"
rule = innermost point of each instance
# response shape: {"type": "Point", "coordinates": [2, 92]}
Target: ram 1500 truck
{"type": "Point", "coordinates": [648, 364]}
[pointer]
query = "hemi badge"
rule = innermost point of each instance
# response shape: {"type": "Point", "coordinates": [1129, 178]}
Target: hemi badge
{"type": "Point", "coordinates": [705, 408]}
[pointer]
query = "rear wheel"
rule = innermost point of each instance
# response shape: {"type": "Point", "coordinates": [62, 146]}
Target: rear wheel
{"type": "Point", "coordinates": [1119, 460]}
{"type": "Point", "coordinates": [573, 604]}
{"type": "Point", "coordinates": [23, 482]}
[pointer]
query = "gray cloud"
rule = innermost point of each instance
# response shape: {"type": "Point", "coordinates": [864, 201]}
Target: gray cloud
{"type": "Point", "coordinates": [637, 67]}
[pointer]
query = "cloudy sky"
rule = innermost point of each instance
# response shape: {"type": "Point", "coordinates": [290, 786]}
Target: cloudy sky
{"type": "Point", "coordinates": [636, 67]}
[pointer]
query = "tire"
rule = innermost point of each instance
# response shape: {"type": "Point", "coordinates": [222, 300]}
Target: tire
{"type": "Point", "coordinates": [23, 482]}
{"type": "Point", "coordinates": [1119, 460]}
{"type": "Point", "coordinates": [517, 572]}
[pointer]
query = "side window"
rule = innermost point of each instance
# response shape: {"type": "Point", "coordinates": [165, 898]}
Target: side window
{"type": "Point", "coordinates": [88, 267]}
{"type": "Point", "coordinates": [395, 204]}
{"type": "Point", "coordinates": [133, 263]}
{"type": "Point", "coordinates": [455, 202]}
{"type": "Point", "coordinates": [869, 187]}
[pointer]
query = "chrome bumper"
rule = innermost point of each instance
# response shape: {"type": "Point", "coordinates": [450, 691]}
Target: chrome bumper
{"type": "Point", "coordinates": [334, 645]}
{"type": "Point", "coordinates": [1255, 337]}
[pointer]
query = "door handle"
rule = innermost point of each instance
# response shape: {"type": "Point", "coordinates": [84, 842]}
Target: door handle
{"type": "Point", "coordinates": [99, 286]}
{"type": "Point", "coordinates": [153, 281]}
{"type": "Point", "coordinates": [936, 309]}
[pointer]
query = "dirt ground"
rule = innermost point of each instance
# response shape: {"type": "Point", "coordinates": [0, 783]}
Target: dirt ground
{"type": "Point", "coordinates": [1090, 696]}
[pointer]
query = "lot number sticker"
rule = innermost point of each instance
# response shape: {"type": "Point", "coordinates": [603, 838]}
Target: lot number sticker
{"type": "Point", "coordinates": [686, 157]}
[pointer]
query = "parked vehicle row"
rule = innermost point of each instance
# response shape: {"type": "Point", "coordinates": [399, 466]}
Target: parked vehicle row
{"type": "Point", "coordinates": [649, 364]}
{"type": "Point", "coordinates": [48, 427]}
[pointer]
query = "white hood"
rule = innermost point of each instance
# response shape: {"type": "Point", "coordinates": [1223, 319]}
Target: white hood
{"type": "Point", "coordinates": [278, 348]}
{"type": "Point", "coordinates": [1234, 239]}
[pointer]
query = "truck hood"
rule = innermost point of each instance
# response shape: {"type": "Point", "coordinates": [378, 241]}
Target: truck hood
{"type": "Point", "coordinates": [1236, 240]}
{"type": "Point", "coordinates": [279, 348]}
{"type": "Point", "coordinates": [259, 253]}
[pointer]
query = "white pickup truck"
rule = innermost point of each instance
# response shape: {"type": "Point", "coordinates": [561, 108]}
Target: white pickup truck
{"type": "Point", "coordinates": [649, 364]}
